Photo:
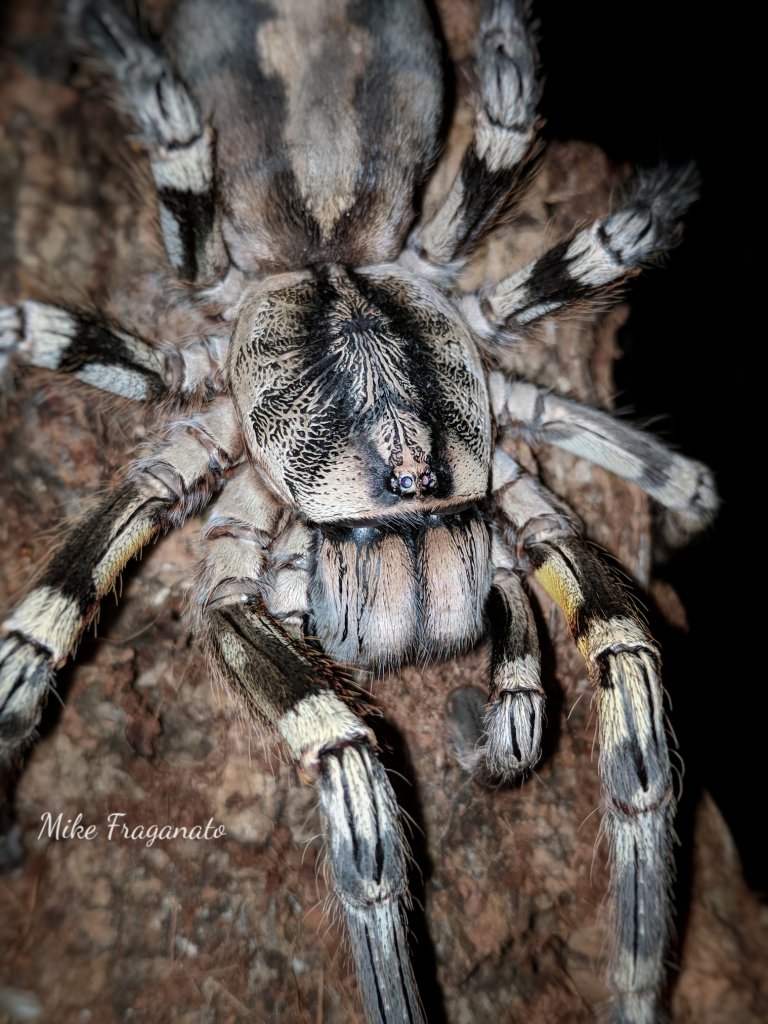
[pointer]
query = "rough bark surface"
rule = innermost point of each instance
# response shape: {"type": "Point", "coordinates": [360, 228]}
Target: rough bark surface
{"type": "Point", "coordinates": [237, 929]}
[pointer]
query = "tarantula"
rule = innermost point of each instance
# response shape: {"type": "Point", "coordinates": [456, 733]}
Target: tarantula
{"type": "Point", "coordinates": [347, 409]}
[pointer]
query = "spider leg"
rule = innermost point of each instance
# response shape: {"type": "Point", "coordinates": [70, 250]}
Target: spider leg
{"type": "Point", "coordinates": [683, 486]}
{"type": "Point", "coordinates": [254, 569]}
{"type": "Point", "coordinates": [174, 480]}
{"type": "Point", "coordinates": [93, 350]}
{"type": "Point", "coordinates": [181, 147]}
{"type": "Point", "coordinates": [514, 716]}
{"type": "Point", "coordinates": [634, 766]}
{"type": "Point", "coordinates": [591, 262]}
{"type": "Point", "coordinates": [503, 152]}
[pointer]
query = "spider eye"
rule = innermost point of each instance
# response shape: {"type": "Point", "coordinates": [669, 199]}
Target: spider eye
{"type": "Point", "coordinates": [404, 484]}
{"type": "Point", "coordinates": [407, 484]}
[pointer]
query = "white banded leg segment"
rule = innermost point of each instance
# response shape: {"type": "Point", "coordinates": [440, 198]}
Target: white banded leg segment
{"type": "Point", "coordinates": [281, 682]}
{"type": "Point", "coordinates": [277, 678]}
{"type": "Point", "coordinates": [89, 348]}
{"type": "Point", "coordinates": [368, 858]}
{"type": "Point", "coordinates": [161, 491]}
{"type": "Point", "coordinates": [25, 677]}
{"type": "Point", "coordinates": [181, 147]}
{"type": "Point", "coordinates": [503, 152]}
{"type": "Point", "coordinates": [515, 714]}
{"type": "Point", "coordinates": [634, 764]}
{"type": "Point", "coordinates": [10, 336]}
{"type": "Point", "coordinates": [592, 261]}
{"type": "Point", "coordinates": [682, 485]}
{"type": "Point", "coordinates": [252, 566]}
{"type": "Point", "coordinates": [290, 686]}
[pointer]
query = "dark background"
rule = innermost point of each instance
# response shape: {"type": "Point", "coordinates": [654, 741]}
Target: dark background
{"type": "Point", "coordinates": [663, 81]}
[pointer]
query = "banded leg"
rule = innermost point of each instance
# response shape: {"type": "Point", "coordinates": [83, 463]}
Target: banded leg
{"type": "Point", "coordinates": [502, 155]}
{"type": "Point", "coordinates": [681, 485]}
{"type": "Point", "coordinates": [634, 760]}
{"type": "Point", "coordinates": [181, 147]}
{"type": "Point", "coordinates": [174, 480]}
{"type": "Point", "coordinates": [591, 262]}
{"type": "Point", "coordinates": [89, 348]}
{"type": "Point", "coordinates": [285, 684]}
{"type": "Point", "coordinates": [515, 714]}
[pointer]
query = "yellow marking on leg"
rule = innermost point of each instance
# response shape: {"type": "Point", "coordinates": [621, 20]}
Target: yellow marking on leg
{"type": "Point", "coordinates": [124, 546]}
{"type": "Point", "coordinates": [560, 584]}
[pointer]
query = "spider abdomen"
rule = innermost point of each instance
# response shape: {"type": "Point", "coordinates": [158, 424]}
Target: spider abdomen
{"type": "Point", "coordinates": [331, 123]}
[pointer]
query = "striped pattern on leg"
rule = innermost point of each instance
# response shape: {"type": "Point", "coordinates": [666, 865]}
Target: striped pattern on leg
{"type": "Point", "coordinates": [291, 687]}
{"type": "Point", "coordinates": [170, 483]}
{"type": "Point", "coordinates": [181, 147]}
{"type": "Point", "coordinates": [503, 153]}
{"type": "Point", "coordinates": [91, 349]}
{"type": "Point", "coordinates": [683, 486]}
{"type": "Point", "coordinates": [515, 714]}
{"type": "Point", "coordinates": [592, 262]}
{"type": "Point", "coordinates": [634, 765]}
{"type": "Point", "coordinates": [254, 568]}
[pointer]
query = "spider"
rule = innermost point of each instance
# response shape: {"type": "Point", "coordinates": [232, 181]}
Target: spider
{"type": "Point", "coordinates": [349, 405]}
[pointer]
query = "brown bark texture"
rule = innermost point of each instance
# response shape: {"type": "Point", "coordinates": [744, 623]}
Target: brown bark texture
{"type": "Point", "coordinates": [236, 929]}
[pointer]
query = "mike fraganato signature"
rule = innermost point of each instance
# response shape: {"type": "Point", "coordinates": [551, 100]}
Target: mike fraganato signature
{"type": "Point", "coordinates": [115, 828]}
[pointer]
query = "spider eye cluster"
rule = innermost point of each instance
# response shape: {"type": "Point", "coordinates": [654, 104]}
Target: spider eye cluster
{"type": "Point", "coordinates": [408, 484]}
{"type": "Point", "coordinates": [396, 590]}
